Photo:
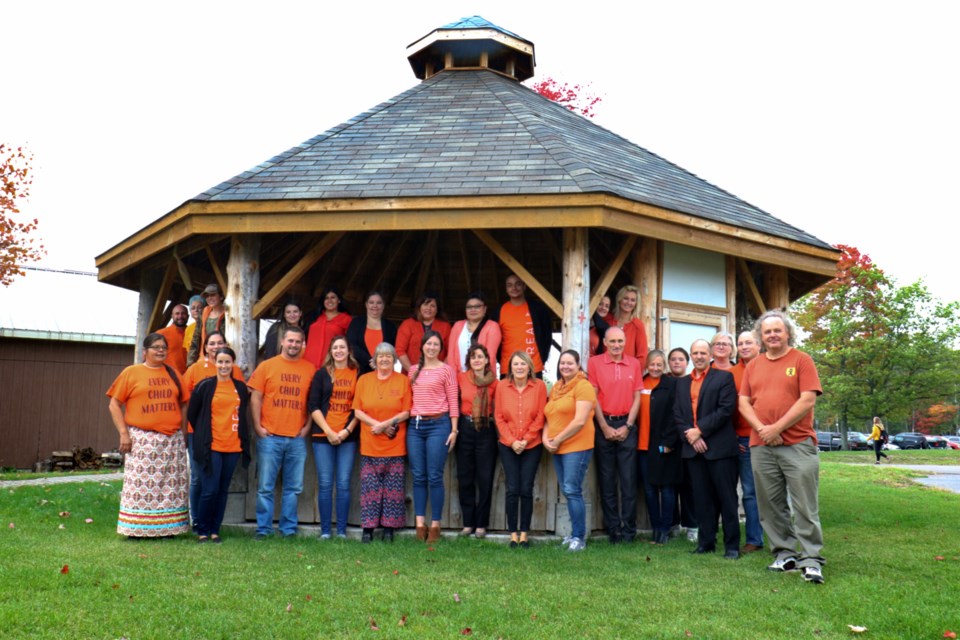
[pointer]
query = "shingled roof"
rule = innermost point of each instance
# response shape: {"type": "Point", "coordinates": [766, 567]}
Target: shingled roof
{"type": "Point", "coordinates": [477, 133]}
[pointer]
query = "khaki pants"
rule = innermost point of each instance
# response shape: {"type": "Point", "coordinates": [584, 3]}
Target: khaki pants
{"type": "Point", "coordinates": [785, 477]}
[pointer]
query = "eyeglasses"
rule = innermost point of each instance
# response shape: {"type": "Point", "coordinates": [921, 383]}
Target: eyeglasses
{"type": "Point", "coordinates": [723, 344]}
{"type": "Point", "coordinates": [475, 307]}
{"type": "Point", "coordinates": [158, 347]}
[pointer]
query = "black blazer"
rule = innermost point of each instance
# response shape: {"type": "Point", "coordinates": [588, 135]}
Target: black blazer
{"type": "Point", "coordinates": [663, 468]}
{"type": "Point", "coordinates": [355, 333]}
{"type": "Point", "coordinates": [716, 406]}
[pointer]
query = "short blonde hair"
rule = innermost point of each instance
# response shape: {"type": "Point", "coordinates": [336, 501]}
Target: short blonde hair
{"type": "Point", "coordinates": [523, 355]}
{"type": "Point", "coordinates": [620, 295]}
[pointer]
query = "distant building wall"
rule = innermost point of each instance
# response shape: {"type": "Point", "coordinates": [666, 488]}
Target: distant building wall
{"type": "Point", "coordinates": [52, 395]}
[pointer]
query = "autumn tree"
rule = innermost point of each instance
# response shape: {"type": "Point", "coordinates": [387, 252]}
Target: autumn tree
{"type": "Point", "coordinates": [578, 98]}
{"type": "Point", "coordinates": [881, 349]}
{"type": "Point", "coordinates": [16, 244]}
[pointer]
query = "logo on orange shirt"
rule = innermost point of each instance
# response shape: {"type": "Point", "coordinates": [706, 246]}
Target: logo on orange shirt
{"type": "Point", "coordinates": [791, 372]}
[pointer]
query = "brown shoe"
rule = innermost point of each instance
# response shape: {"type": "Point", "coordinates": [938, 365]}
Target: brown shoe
{"type": "Point", "coordinates": [421, 532]}
{"type": "Point", "coordinates": [750, 548]}
{"type": "Point", "coordinates": [434, 533]}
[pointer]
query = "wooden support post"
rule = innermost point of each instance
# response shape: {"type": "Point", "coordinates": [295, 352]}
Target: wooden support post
{"type": "Point", "coordinates": [163, 292]}
{"type": "Point", "coordinates": [731, 273]}
{"type": "Point", "coordinates": [776, 287]}
{"type": "Point", "coordinates": [309, 259]}
{"type": "Point", "coordinates": [243, 284]}
{"type": "Point", "coordinates": [484, 59]}
{"type": "Point", "coordinates": [149, 286]}
{"type": "Point", "coordinates": [754, 299]}
{"type": "Point", "coordinates": [532, 283]}
{"type": "Point", "coordinates": [606, 278]}
{"type": "Point", "coordinates": [217, 271]}
{"type": "Point", "coordinates": [448, 60]}
{"type": "Point", "coordinates": [646, 275]}
{"type": "Point", "coordinates": [576, 292]}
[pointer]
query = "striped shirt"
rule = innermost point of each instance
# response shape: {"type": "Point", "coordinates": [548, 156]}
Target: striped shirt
{"type": "Point", "coordinates": [435, 391]}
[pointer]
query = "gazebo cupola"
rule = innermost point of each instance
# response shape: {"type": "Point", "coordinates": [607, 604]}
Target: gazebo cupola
{"type": "Point", "coordinates": [472, 43]}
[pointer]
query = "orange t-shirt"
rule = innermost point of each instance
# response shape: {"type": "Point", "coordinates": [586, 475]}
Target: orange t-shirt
{"type": "Point", "coordinates": [516, 330]}
{"type": "Point", "coordinates": [372, 338]}
{"type": "Point", "coordinates": [150, 398]}
{"type": "Point", "coordinates": [643, 437]}
{"type": "Point", "coordinates": [176, 353]}
{"type": "Point", "coordinates": [284, 385]}
{"type": "Point", "coordinates": [225, 418]}
{"type": "Point", "coordinates": [381, 400]}
{"type": "Point", "coordinates": [773, 386]}
{"type": "Point", "coordinates": [341, 400]}
{"type": "Point", "coordinates": [561, 409]}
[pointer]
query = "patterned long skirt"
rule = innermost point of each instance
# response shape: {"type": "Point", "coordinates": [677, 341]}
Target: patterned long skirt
{"type": "Point", "coordinates": [154, 499]}
{"type": "Point", "coordinates": [381, 492]}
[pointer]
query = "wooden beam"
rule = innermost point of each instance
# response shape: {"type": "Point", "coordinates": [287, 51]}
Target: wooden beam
{"type": "Point", "coordinates": [217, 272]}
{"type": "Point", "coordinates": [162, 293]}
{"type": "Point", "coordinates": [752, 294]}
{"type": "Point", "coordinates": [310, 258]}
{"type": "Point", "coordinates": [606, 278]}
{"type": "Point", "coordinates": [463, 255]}
{"type": "Point", "coordinates": [428, 254]}
{"type": "Point", "coordinates": [243, 283]}
{"type": "Point", "coordinates": [646, 273]}
{"type": "Point", "coordinates": [371, 245]}
{"type": "Point", "coordinates": [776, 287]}
{"type": "Point", "coordinates": [283, 261]}
{"type": "Point", "coordinates": [576, 292]}
{"type": "Point", "coordinates": [532, 283]}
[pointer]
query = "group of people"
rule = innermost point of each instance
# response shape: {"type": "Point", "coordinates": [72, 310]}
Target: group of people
{"type": "Point", "coordinates": [409, 396]}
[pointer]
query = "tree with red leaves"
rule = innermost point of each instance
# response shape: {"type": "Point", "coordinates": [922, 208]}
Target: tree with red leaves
{"type": "Point", "coordinates": [881, 349]}
{"type": "Point", "coordinates": [16, 245]}
{"type": "Point", "coordinates": [577, 98]}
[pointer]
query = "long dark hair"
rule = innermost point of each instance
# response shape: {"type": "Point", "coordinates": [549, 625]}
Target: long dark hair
{"type": "Point", "coordinates": [426, 336]}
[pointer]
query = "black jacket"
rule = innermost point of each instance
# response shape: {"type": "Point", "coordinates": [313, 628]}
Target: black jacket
{"type": "Point", "coordinates": [663, 468]}
{"type": "Point", "coordinates": [199, 413]}
{"type": "Point", "coordinates": [355, 333]}
{"type": "Point", "coordinates": [716, 407]}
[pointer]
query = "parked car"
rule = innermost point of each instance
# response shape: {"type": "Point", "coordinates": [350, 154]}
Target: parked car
{"type": "Point", "coordinates": [910, 440]}
{"type": "Point", "coordinates": [937, 442]}
{"type": "Point", "coordinates": [952, 441]}
{"type": "Point", "coordinates": [828, 441]}
{"type": "Point", "coordinates": [857, 441]}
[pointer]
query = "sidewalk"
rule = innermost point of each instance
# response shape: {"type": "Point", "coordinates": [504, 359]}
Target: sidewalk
{"type": "Point", "coordinates": [87, 477]}
{"type": "Point", "coordinates": [942, 476]}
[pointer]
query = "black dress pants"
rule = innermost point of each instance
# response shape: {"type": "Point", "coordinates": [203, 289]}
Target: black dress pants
{"type": "Point", "coordinates": [476, 462]}
{"type": "Point", "coordinates": [715, 489]}
{"type": "Point", "coordinates": [617, 461]}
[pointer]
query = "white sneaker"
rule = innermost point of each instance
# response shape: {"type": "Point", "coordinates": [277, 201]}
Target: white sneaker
{"type": "Point", "coordinates": [576, 544]}
{"type": "Point", "coordinates": [324, 536]}
{"type": "Point", "coordinates": [784, 564]}
{"type": "Point", "coordinates": [813, 574]}
{"type": "Point", "coordinates": [693, 534]}
{"type": "Point", "coordinates": [566, 541]}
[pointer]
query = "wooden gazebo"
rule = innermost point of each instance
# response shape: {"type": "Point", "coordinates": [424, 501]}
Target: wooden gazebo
{"type": "Point", "coordinates": [453, 184]}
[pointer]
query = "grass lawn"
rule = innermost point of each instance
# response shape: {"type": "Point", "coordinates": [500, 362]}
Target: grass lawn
{"type": "Point", "coordinates": [893, 552]}
{"type": "Point", "coordinates": [913, 456]}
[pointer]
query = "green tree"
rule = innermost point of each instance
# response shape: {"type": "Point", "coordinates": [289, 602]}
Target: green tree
{"type": "Point", "coordinates": [881, 349]}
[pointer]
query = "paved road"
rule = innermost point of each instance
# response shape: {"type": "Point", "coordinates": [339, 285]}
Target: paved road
{"type": "Point", "coordinates": [90, 477]}
{"type": "Point", "coordinates": [942, 476]}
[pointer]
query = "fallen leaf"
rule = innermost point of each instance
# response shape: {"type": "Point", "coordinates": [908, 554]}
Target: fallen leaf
{"type": "Point", "coordinates": [688, 633]}
{"type": "Point", "coordinates": [648, 558]}
{"type": "Point", "coordinates": [533, 617]}
{"type": "Point", "coordinates": [89, 520]}
{"type": "Point", "coordinates": [775, 590]}
{"type": "Point", "coordinates": [856, 629]}
{"type": "Point", "coordinates": [80, 489]}
{"type": "Point", "coordinates": [197, 574]}
{"type": "Point", "coordinates": [65, 570]}
{"type": "Point", "coordinates": [115, 586]}
{"type": "Point", "coordinates": [131, 598]}
{"type": "Point", "coordinates": [358, 562]}
{"type": "Point", "coordinates": [299, 554]}
{"type": "Point", "coordinates": [43, 502]}
{"type": "Point", "coordinates": [11, 526]}
{"type": "Point", "coordinates": [62, 527]}
{"type": "Point", "coordinates": [430, 549]}
{"type": "Point", "coordinates": [950, 634]}
{"type": "Point", "coordinates": [466, 632]}
{"type": "Point", "coordinates": [64, 514]}
{"type": "Point", "coordinates": [141, 555]}
{"type": "Point", "coordinates": [939, 558]}
{"type": "Point", "coordinates": [373, 623]}
{"type": "Point", "coordinates": [309, 597]}
{"type": "Point", "coordinates": [396, 572]}
{"type": "Point", "coordinates": [289, 607]}
{"type": "Point", "coordinates": [456, 597]}
{"type": "Point", "coordinates": [403, 621]}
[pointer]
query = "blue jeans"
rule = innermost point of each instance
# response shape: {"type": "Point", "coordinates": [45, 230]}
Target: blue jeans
{"type": "Point", "coordinates": [571, 469]}
{"type": "Point", "coordinates": [661, 498]}
{"type": "Point", "coordinates": [752, 514]}
{"type": "Point", "coordinates": [333, 461]}
{"type": "Point", "coordinates": [214, 490]}
{"type": "Point", "coordinates": [195, 473]}
{"type": "Point", "coordinates": [276, 454]}
{"type": "Point", "coordinates": [427, 455]}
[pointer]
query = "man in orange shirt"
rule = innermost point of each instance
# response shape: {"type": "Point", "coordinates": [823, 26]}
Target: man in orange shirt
{"type": "Point", "coordinates": [525, 326]}
{"type": "Point", "coordinates": [706, 402]}
{"type": "Point", "coordinates": [174, 332]}
{"type": "Point", "coordinates": [777, 397]}
{"type": "Point", "coordinates": [278, 406]}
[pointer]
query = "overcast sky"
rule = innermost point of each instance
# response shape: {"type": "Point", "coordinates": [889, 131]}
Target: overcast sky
{"type": "Point", "coordinates": [837, 117]}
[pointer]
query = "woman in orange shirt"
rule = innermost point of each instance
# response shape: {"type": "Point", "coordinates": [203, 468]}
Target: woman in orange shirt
{"type": "Point", "coordinates": [427, 317]}
{"type": "Point", "coordinates": [146, 405]}
{"type": "Point", "coordinates": [518, 408]}
{"type": "Point", "coordinates": [382, 405]}
{"type": "Point", "coordinates": [333, 432]}
{"type": "Point", "coordinates": [332, 322]}
{"type": "Point", "coordinates": [659, 467]}
{"type": "Point", "coordinates": [627, 317]}
{"type": "Point", "coordinates": [570, 408]}
{"type": "Point", "coordinates": [477, 444]}
{"type": "Point", "coordinates": [218, 411]}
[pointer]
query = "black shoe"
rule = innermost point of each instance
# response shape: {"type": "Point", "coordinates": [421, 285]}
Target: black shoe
{"type": "Point", "coordinates": [615, 538]}
{"type": "Point", "coordinates": [524, 544]}
{"type": "Point", "coordinates": [260, 537]}
{"type": "Point", "coordinates": [514, 544]}
{"type": "Point", "coordinates": [731, 554]}
{"type": "Point", "coordinates": [367, 536]}
{"type": "Point", "coordinates": [699, 550]}
{"type": "Point", "coordinates": [629, 538]}
{"type": "Point", "coordinates": [388, 534]}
